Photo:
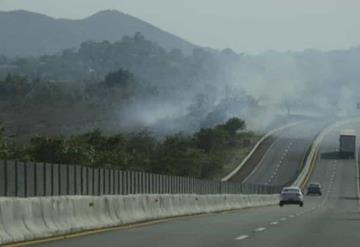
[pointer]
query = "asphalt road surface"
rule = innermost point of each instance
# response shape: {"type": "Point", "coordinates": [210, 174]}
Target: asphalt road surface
{"type": "Point", "coordinates": [330, 220]}
{"type": "Point", "coordinates": [283, 161]}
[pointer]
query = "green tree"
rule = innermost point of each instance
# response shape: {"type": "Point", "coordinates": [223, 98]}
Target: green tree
{"type": "Point", "coordinates": [122, 79]}
{"type": "Point", "coordinates": [233, 125]}
{"type": "Point", "coordinates": [211, 139]}
{"type": "Point", "coordinates": [177, 156]}
{"type": "Point", "coordinates": [47, 149]}
{"type": "Point", "coordinates": [140, 147]}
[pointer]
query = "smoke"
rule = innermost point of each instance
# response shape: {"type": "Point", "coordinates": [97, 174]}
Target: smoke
{"type": "Point", "coordinates": [265, 90]}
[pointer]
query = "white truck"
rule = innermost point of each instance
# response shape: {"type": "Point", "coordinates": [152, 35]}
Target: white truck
{"type": "Point", "coordinates": [347, 143]}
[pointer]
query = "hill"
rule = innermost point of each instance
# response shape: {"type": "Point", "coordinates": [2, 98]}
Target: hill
{"type": "Point", "coordinates": [30, 34]}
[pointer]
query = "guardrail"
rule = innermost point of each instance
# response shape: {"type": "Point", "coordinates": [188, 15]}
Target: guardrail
{"type": "Point", "coordinates": [31, 179]}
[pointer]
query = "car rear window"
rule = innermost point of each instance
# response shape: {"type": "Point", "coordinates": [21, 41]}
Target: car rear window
{"type": "Point", "coordinates": [290, 190]}
{"type": "Point", "coordinates": [314, 185]}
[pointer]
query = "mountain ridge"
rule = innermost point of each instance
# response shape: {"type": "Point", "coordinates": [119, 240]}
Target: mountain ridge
{"type": "Point", "coordinates": [27, 33]}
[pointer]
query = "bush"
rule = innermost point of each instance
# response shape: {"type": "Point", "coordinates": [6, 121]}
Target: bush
{"type": "Point", "coordinates": [201, 155]}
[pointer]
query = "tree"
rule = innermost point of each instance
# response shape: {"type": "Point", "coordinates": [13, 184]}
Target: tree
{"type": "Point", "coordinates": [120, 79]}
{"type": "Point", "coordinates": [211, 139]}
{"type": "Point", "coordinates": [177, 156]}
{"type": "Point", "coordinates": [233, 125]}
{"type": "Point", "coordinates": [47, 149]}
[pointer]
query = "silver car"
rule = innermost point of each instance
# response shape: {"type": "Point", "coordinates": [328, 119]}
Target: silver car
{"type": "Point", "coordinates": [291, 195]}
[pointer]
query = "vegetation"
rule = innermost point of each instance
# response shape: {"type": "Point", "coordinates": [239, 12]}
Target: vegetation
{"type": "Point", "coordinates": [133, 83]}
{"type": "Point", "coordinates": [202, 155]}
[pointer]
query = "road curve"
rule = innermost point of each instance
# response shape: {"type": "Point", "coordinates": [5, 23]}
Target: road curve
{"type": "Point", "coordinates": [283, 161]}
{"type": "Point", "coordinates": [330, 220]}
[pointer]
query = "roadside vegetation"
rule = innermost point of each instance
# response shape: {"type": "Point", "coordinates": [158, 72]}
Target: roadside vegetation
{"type": "Point", "coordinates": [202, 155]}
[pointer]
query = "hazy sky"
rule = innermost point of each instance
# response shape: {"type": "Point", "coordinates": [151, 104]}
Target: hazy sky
{"type": "Point", "coordinates": [243, 25]}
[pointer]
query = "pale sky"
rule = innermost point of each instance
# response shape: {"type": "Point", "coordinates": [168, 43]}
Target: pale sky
{"type": "Point", "coordinates": [250, 26]}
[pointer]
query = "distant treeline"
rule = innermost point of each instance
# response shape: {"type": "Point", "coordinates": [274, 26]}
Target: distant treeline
{"type": "Point", "coordinates": [133, 81]}
{"type": "Point", "coordinates": [201, 155]}
{"type": "Point", "coordinates": [24, 91]}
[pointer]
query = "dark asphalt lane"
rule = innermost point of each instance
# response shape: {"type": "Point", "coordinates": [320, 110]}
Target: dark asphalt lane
{"type": "Point", "coordinates": [283, 161]}
{"type": "Point", "coordinates": [330, 220]}
{"type": "Point", "coordinates": [336, 220]}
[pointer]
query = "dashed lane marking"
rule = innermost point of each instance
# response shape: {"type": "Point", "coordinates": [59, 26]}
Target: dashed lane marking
{"type": "Point", "coordinates": [283, 156]}
{"type": "Point", "coordinates": [242, 237]}
{"type": "Point", "coordinates": [274, 223]}
{"type": "Point", "coordinates": [260, 229]}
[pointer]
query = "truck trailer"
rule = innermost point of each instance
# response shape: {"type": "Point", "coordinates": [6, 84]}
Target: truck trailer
{"type": "Point", "coordinates": [347, 147]}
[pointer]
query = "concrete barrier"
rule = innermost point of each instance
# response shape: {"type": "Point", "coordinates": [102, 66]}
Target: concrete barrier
{"type": "Point", "coordinates": [24, 219]}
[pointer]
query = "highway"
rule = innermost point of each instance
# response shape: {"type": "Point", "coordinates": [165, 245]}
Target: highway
{"type": "Point", "coordinates": [283, 161]}
{"type": "Point", "coordinates": [330, 220]}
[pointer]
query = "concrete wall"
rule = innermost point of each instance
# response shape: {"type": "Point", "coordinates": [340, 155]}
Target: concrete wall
{"type": "Point", "coordinates": [24, 219]}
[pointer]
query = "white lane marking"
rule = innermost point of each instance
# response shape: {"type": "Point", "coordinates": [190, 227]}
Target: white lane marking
{"type": "Point", "coordinates": [276, 170]}
{"type": "Point", "coordinates": [291, 216]}
{"type": "Point", "coordinates": [242, 237]}
{"type": "Point", "coordinates": [262, 159]}
{"type": "Point", "coordinates": [283, 219]}
{"type": "Point", "coordinates": [260, 229]}
{"type": "Point", "coordinates": [274, 223]}
{"type": "Point", "coordinates": [330, 186]}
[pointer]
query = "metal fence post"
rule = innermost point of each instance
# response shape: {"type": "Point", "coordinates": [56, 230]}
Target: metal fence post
{"type": "Point", "coordinates": [164, 184]}
{"type": "Point", "coordinates": [16, 179]}
{"type": "Point", "coordinates": [45, 179]}
{"type": "Point", "coordinates": [126, 182]}
{"type": "Point", "coordinates": [67, 178]}
{"type": "Point", "coordinates": [123, 182]}
{"type": "Point", "coordinates": [113, 172]}
{"type": "Point", "coordinates": [152, 190]}
{"type": "Point", "coordinates": [103, 189]}
{"type": "Point", "coordinates": [52, 179]}
{"type": "Point", "coordinates": [93, 181]}
{"type": "Point", "coordinates": [25, 180]}
{"type": "Point", "coordinates": [158, 184]}
{"type": "Point", "coordinates": [133, 182]}
{"type": "Point", "coordinates": [138, 182]}
{"type": "Point", "coordinates": [87, 179]}
{"type": "Point", "coordinates": [6, 190]}
{"type": "Point", "coordinates": [99, 182]}
{"type": "Point", "coordinates": [118, 182]}
{"type": "Point", "coordinates": [35, 180]}
{"type": "Point", "coordinates": [157, 181]}
{"type": "Point", "coordinates": [110, 187]}
{"type": "Point", "coordinates": [147, 183]}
